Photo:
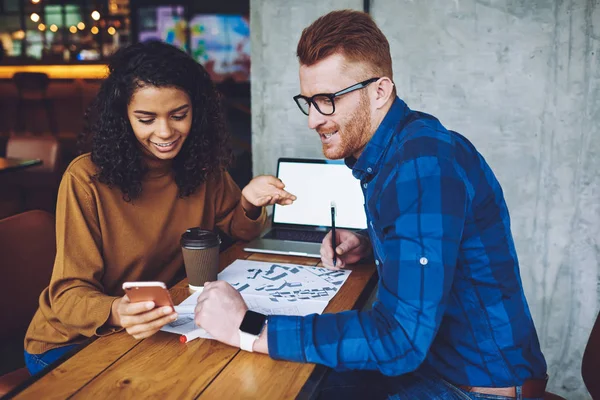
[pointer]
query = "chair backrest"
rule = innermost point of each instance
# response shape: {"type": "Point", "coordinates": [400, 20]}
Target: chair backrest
{"type": "Point", "coordinates": [31, 81]}
{"type": "Point", "coordinates": [46, 148]}
{"type": "Point", "coordinates": [590, 366]}
{"type": "Point", "coordinates": [28, 249]}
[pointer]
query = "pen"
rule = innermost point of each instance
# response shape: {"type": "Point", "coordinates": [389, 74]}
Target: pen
{"type": "Point", "coordinates": [195, 334]}
{"type": "Point", "coordinates": [333, 230]}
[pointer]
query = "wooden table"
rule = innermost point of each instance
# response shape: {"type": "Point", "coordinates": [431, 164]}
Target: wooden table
{"type": "Point", "coordinates": [118, 366]}
{"type": "Point", "coordinates": [16, 164]}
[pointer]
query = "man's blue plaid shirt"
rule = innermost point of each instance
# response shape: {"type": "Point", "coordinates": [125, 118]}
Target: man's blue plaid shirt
{"type": "Point", "coordinates": [450, 293]}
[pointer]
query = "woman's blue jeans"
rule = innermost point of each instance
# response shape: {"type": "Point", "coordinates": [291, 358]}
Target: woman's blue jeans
{"type": "Point", "coordinates": [37, 362]}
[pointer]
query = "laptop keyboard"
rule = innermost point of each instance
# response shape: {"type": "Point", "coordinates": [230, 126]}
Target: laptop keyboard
{"type": "Point", "coordinates": [296, 235]}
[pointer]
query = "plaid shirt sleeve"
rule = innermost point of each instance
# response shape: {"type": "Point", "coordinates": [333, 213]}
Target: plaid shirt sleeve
{"type": "Point", "coordinates": [419, 222]}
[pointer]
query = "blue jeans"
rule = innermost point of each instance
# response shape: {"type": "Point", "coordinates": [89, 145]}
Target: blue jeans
{"type": "Point", "coordinates": [422, 384]}
{"type": "Point", "coordinates": [37, 362]}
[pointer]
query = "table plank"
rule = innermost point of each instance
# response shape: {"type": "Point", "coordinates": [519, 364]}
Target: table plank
{"type": "Point", "coordinates": [64, 380]}
{"type": "Point", "coordinates": [161, 367]}
{"type": "Point", "coordinates": [247, 378]}
{"type": "Point", "coordinates": [257, 376]}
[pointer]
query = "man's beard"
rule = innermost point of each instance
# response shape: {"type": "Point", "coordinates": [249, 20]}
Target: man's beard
{"type": "Point", "coordinates": [354, 134]}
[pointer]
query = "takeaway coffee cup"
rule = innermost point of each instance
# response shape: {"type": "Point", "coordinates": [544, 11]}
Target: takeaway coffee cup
{"type": "Point", "coordinates": [200, 250]}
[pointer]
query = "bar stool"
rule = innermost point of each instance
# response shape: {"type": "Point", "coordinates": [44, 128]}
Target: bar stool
{"type": "Point", "coordinates": [32, 89]}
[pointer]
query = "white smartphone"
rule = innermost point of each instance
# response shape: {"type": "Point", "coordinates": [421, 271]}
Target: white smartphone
{"type": "Point", "coordinates": [148, 291]}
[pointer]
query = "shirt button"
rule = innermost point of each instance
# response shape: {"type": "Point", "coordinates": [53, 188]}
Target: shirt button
{"type": "Point", "coordinates": [364, 185]}
{"type": "Point", "coordinates": [369, 170]}
{"type": "Point", "coordinates": [377, 262]}
{"type": "Point", "coordinates": [423, 261]}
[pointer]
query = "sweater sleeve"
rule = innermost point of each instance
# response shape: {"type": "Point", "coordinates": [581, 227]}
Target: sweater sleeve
{"type": "Point", "coordinates": [230, 216]}
{"type": "Point", "coordinates": [76, 294]}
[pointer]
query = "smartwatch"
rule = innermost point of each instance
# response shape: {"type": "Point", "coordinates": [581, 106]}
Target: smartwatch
{"type": "Point", "coordinates": [250, 329]}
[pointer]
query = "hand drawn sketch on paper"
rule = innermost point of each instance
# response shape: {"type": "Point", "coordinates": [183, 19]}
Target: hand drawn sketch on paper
{"type": "Point", "coordinates": [274, 288]}
{"type": "Point", "coordinates": [181, 321]}
{"type": "Point", "coordinates": [334, 277]}
{"type": "Point", "coordinates": [185, 325]}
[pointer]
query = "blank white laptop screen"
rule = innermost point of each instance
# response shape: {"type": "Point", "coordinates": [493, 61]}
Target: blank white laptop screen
{"type": "Point", "coordinates": [316, 186]}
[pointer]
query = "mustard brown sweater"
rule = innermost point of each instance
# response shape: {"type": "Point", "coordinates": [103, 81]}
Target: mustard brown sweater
{"type": "Point", "coordinates": [103, 241]}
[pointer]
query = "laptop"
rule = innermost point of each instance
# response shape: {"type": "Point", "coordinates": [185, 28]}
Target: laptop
{"type": "Point", "coordinates": [299, 229]}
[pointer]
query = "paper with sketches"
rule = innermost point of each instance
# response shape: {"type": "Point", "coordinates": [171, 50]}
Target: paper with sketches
{"type": "Point", "coordinates": [284, 289]}
{"type": "Point", "coordinates": [272, 289]}
{"type": "Point", "coordinates": [185, 324]}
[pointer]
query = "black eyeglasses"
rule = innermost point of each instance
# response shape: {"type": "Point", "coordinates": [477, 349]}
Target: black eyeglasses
{"type": "Point", "coordinates": [323, 102]}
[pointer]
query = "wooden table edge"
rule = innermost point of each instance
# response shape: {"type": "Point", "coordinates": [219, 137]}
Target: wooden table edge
{"type": "Point", "coordinates": [26, 163]}
{"type": "Point", "coordinates": [51, 367]}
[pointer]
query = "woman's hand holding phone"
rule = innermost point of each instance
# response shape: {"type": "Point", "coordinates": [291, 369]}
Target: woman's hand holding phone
{"type": "Point", "coordinates": [144, 318]}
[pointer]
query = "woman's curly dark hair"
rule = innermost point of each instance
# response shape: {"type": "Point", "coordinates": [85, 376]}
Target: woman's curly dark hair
{"type": "Point", "coordinates": [116, 151]}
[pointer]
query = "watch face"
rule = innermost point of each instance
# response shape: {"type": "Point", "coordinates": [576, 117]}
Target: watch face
{"type": "Point", "coordinates": [253, 322]}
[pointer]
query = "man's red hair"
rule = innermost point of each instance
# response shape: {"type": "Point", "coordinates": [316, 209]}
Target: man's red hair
{"type": "Point", "coordinates": [351, 33]}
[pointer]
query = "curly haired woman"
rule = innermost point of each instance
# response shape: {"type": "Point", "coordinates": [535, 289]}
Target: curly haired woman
{"type": "Point", "coordinates": [157, 167]}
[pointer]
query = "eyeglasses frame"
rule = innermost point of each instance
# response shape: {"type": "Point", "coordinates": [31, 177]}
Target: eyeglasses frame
{"type": "Point", "coordinates": [331, 96]}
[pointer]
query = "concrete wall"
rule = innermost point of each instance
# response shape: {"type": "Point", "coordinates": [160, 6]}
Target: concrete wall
{"type": "Point", "coordinates": [278, 127]}
{"type": "Point", "coordinates": [520, 79]}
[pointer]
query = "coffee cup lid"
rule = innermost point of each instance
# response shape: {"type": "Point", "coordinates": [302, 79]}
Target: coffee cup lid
{"type": "Point", "coordinates": [196, 238]}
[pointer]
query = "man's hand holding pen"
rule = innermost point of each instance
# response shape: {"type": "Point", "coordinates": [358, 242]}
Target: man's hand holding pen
{"type": "Point", "coordinates": [351, 247]}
